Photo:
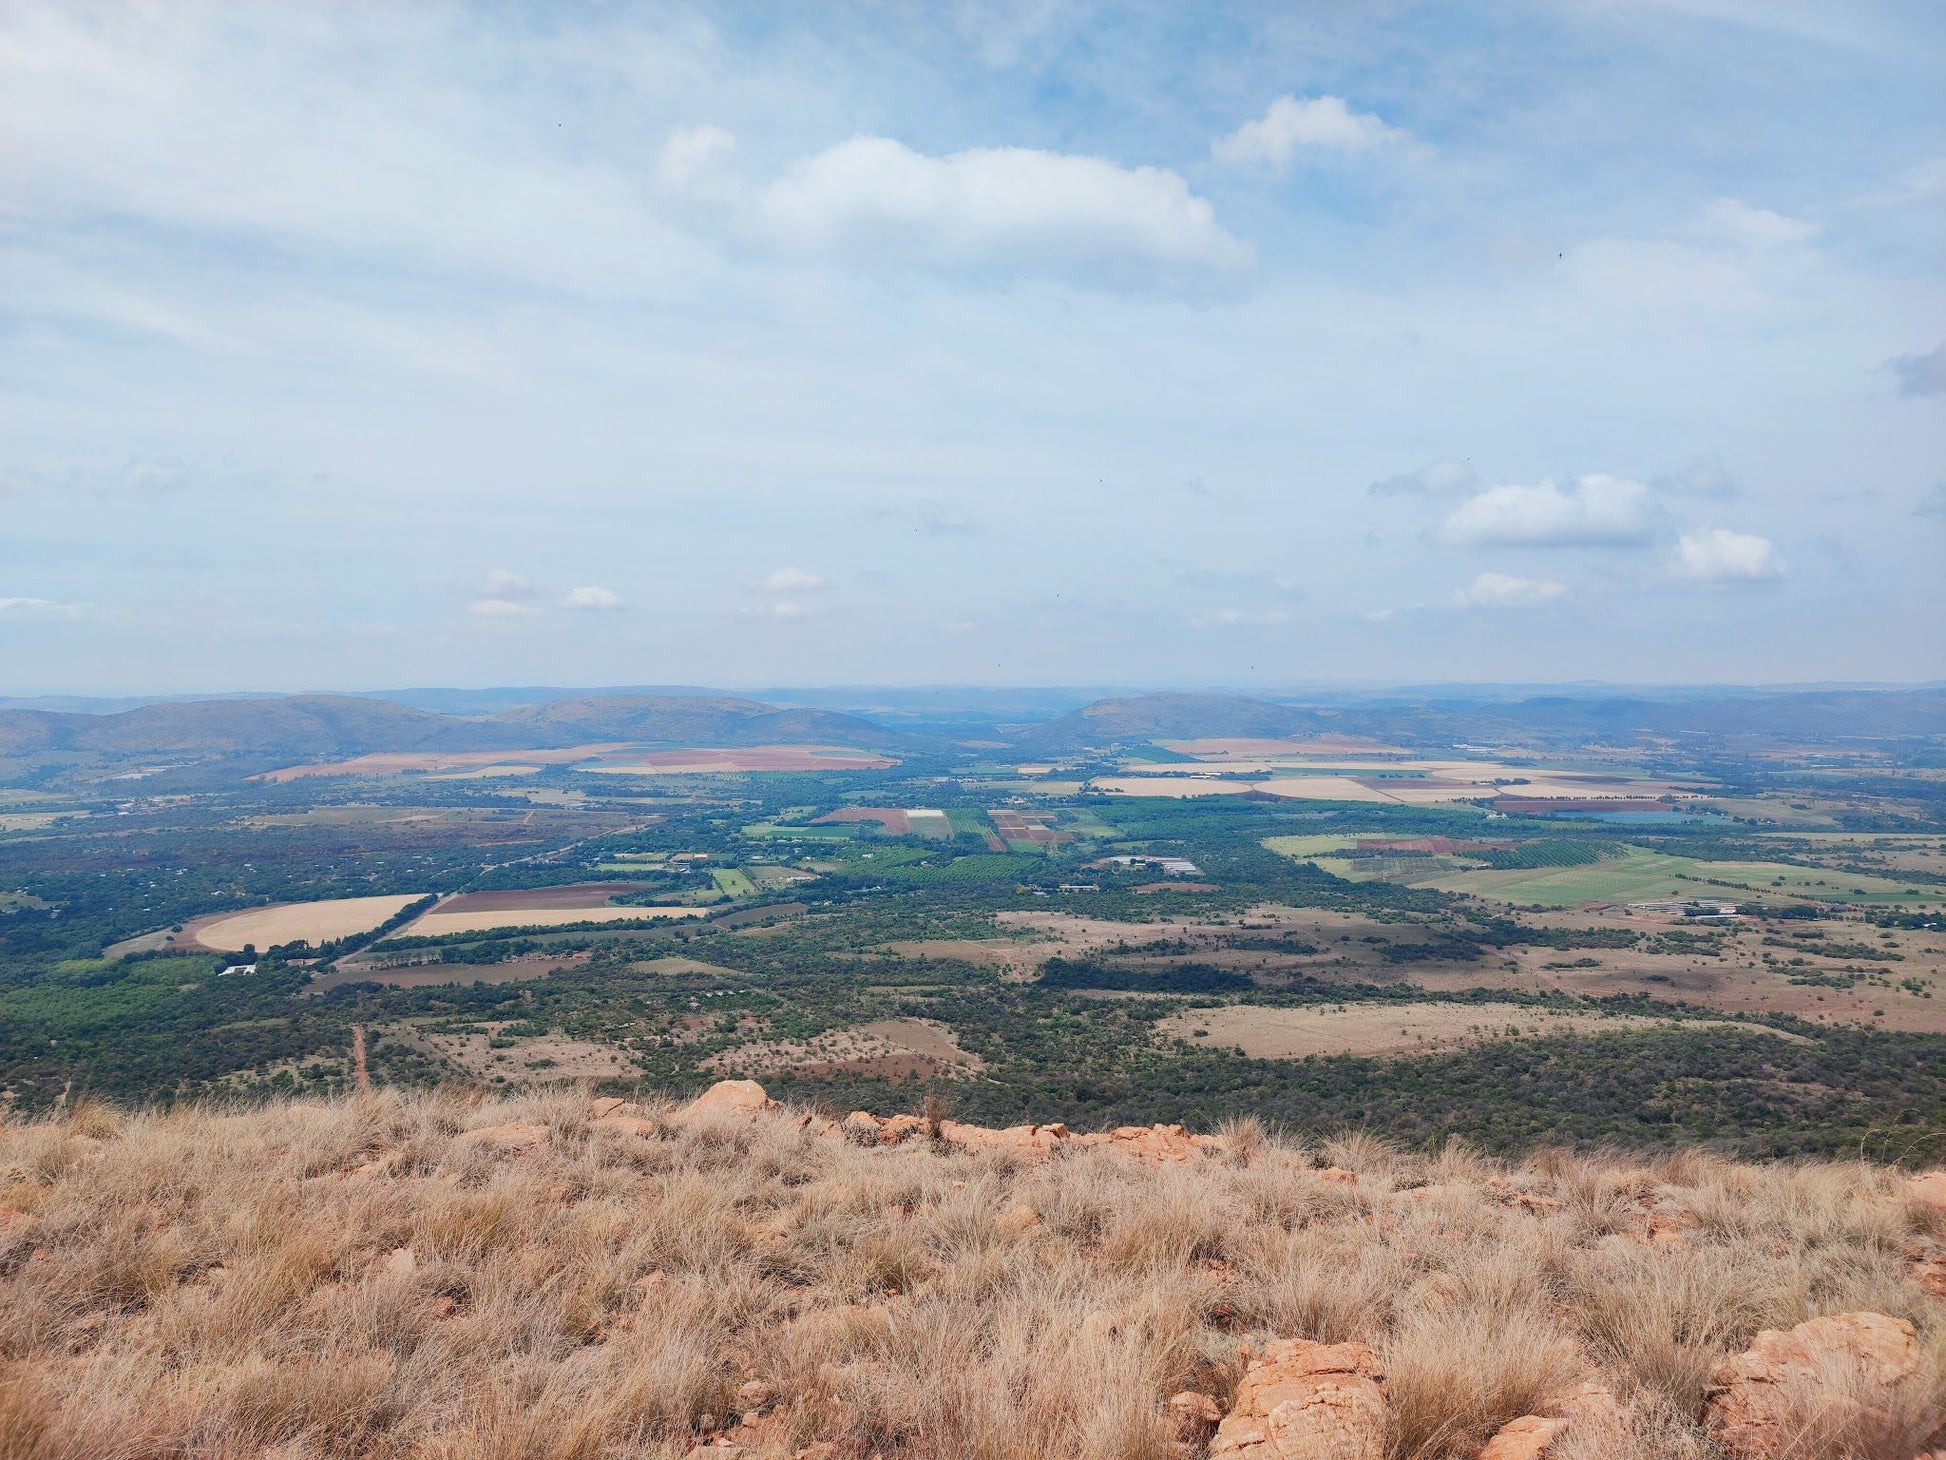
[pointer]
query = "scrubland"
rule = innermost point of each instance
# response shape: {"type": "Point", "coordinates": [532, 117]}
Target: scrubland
{"type": "Point", "coordinates": [449, 1276]}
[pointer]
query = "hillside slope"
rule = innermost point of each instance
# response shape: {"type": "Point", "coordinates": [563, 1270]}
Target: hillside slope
{"type": "Point", "coordinates": [309, 727]}
{"type": "Point", "coordinates": [557, 1278]}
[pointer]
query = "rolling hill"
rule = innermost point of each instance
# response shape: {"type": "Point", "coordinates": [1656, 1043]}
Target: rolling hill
{"type": "Point", "coordinates": [310, 727]}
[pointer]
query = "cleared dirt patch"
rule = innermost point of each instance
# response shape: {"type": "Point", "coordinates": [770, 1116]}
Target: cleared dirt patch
{"type": "Point", "coordinates": [287, 922]}
{"type": "Point", "coordinates": [521, 1061]}
{"type": "Point", "coordinates": [889, 1048]}
{"type": "Point", "coordinates": [434, 975]}
{"type": "Point", "coordinates": [1376, 1029]}
{"type": "Point", "coordinates": [441, 923]}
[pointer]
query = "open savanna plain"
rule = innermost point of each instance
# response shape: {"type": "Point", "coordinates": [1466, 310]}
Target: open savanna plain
{"type": "Point", "coordinates": [1643, 949]}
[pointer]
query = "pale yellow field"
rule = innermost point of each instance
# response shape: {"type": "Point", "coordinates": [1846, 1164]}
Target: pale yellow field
{"type": "Point", "coordinates": [438, 924]}
{"type": "Point", "coordinates": [1374, 1029]}
{"type": "Point", "coordinates": [1322, 788]}
{"type": "Point", "coordinates": [314, 922]}
{"type": "Point", "coordinates": [1172, 786]}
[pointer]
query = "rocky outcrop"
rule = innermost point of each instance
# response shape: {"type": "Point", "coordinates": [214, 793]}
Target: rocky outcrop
{"type": "Point", "coordinates": [514, 1135]}
{"type": "Point", "coordinates": [731, 1097]}
{"type": "Point", "coordinates": [1307, 1401]}
{"type": "Point", "coordinates": [1530, 1437]}
{"type": "Point", "coordinates": [1760, 1399]}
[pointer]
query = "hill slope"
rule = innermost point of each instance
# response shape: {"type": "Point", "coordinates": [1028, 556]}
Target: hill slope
{"type": "Point", "coordinates": [307, 727]}
{"type": "Point", "coordinates": [435, 1276]}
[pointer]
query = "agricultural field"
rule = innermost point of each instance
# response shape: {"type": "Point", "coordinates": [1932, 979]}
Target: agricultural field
{"type": "Point", "coordinates": [291, 922]}
{"type": "Point", "coordinates": [1639, 876]}
{"type": "Point", "coordinates": [882, 927]}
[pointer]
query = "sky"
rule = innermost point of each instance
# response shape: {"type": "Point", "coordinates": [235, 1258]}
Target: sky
{"type": "Point", "coordinates": [352, 346]}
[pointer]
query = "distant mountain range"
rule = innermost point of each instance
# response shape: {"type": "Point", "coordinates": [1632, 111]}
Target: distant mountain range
{"type": "Point", "coordinates": [294, 728]}
{"type": "Point", "coordinates": [1820, 716]}
{"type": "Point", "coordinates": [312, 727]}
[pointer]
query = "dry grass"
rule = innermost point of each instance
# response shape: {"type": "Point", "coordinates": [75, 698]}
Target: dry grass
{"type": "Point", "coordinates": [358, 1279]}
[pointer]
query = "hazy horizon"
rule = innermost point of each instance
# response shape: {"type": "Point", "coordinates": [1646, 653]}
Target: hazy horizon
{"type": "Point", "coordinates": [1001, 344]}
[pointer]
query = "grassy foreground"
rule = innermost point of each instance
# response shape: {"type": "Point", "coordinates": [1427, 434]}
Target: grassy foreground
{"type": "Point", "coordinates": [436, 1275]}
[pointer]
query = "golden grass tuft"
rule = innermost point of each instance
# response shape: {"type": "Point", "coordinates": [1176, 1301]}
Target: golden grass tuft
{"type": "Point", "coordinates": [356, 1278]}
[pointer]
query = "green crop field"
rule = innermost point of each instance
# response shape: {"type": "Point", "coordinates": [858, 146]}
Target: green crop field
{"type": "Point", "coordinates": [1640, 876]}
{"type": "Point", "coordinates": [971, 819]}
{"type": "Point", "coordinates": [732, 883]}
{"type": "Point", "coordinates": [1304, 848]}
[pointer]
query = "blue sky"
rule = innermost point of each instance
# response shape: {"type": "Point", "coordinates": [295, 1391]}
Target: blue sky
{"type": "Point", "coordinates": [355, 346]}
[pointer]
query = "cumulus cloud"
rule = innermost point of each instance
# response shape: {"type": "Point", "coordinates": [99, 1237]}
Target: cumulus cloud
{"type": "Point", "coordinates": [1923, 374]}
{"type": "Point", "coordinates": [1503, 590]}
{"type": "Point", "coordinates": [1293, 126]}
{"type": "Point", "coordinates": [1718, 555]}
{"type": "Point", "coordinates": [1595, 511]}
{"type": "Point", "coordinates": [994, 210]}
{"type": "Point", "coordinates": [591, 596]}
{"type": "Point", "coordinates": [791, 580]}
{"type": "Point", "coordinates": [1933, 504]}
{"type": "Point", "coordinates": [1440, 479]}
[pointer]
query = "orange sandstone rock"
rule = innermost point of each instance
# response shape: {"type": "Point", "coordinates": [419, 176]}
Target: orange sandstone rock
{"type": "Point", "coordinates": [731, 1097]}
{"type": "Point", "coordinates": [1307, 1401]}
{"type": "Point", "coordinates": [1526, 1438]}
{"type": "Point", "coordinates": [1759, 1399]}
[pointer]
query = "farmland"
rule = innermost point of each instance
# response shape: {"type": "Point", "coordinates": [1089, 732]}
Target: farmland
{"type": "Point", "coordinates": [923, 920]}
{"type": "Point", "coordinates": [292, 922]}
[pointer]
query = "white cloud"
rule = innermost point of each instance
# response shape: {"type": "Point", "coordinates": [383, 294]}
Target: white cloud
{"type": "Point", "coordinates": [1440, 479]}
{"type": "Point", "coordinates": [1596, 511]}
{"type": "Point", "coordinates": [791, 580]}
{"type": "Point", "coordinates": [501, 608]}
{"type": "Point", "coordinates": [996, 210]}
{"type": "Point", "coordinates": [1933, 504]}
{"type": "Point", "coordinates": [502, 583]}
{"type": "Point", "coordinates": [695, 157]}
{"type": "Point", "coordinates": [591, 596]}
{"type": "Point", "coordinates": [42, 608]}
{"type": "Point", "coordinates": [1729, 221]}
{"type": "Point", "coordinates": [1292, 126]}
{"type": "Point", "coordinates": [1502, 590]}
{"type": "Point", "coordinates": [1718, 555]}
